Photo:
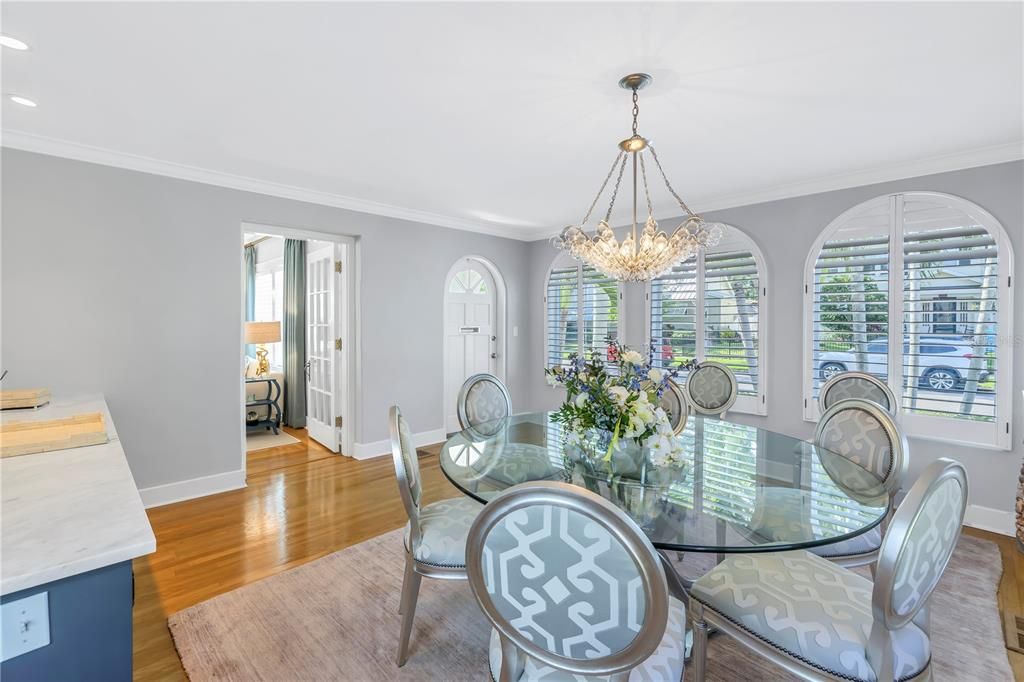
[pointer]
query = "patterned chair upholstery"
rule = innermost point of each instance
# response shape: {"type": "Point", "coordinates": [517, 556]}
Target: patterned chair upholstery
{"type": "Point", "coordinates": [435, 537]}
{"type": "Point", "coordinates": [574, 589]}
{"type": "Point", "coordinates": [711, 388]}
{"type": "Point", "coordinates": [867, 435]}
{"type": "Point", "coordinates": [857, 386]}
{"type": "Point", "coordinates": [673, 401]}
{"type": "Point", "coordinates": [823, 621]}
{"type": "Point", "coordinates": [483, 398]}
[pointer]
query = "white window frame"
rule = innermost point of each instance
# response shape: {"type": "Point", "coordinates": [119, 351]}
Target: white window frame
{"type": "Point", "coordinates": [563, 260]}
{"type": "Point", "coordinates": [993, 435]}
{"type": "Point", "coordinates": [747, 404]}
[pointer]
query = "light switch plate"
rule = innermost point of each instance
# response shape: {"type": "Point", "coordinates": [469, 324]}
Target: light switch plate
{"type": "Point", "coordinates": [25, 625]}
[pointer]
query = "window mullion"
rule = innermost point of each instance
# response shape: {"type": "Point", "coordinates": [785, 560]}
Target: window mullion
{"type": "Point", "coordinates": [699, 321]}
{"type": "Point", "coordinates": [581, 325]}
{"type": "Point", "coordinates": [896, 284]}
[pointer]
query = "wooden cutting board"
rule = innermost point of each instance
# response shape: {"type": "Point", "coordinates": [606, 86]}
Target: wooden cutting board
{"type": "Point", "coordinates": [24, 397]}
{"type": "Point", "coordinates": [29, 437]}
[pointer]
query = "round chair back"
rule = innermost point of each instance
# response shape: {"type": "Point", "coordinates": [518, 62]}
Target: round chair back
{"type": "Point", "coordinates": [483, 398]}
{"type": "Point", "coordinates": [859, 385]}
{"type": "Point", "coordinates": [919, 543]}
{"type": "Point", "coordinates": [567, 579]}
{"type": "Point", "coordinates": [407, 470]}
{"type": "Point", "coordinates": [711, 388]}
{"type": "Point", "coordinates": [868, 436]}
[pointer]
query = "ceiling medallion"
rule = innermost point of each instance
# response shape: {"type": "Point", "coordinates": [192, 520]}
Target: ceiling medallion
{"type": "Point", "coordinates": [652, 252]}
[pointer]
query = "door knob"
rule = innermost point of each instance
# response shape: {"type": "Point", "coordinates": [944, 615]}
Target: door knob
{"type": "Point", "coordinates": [494, 356]}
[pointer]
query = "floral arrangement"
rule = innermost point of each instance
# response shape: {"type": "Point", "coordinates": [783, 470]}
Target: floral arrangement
{"type": "Point", "coordinates": [620, 401]}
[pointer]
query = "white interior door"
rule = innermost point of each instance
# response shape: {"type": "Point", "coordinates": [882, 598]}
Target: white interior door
{"type": "Point", "coordinates": [322, 354]}
{"type": "Point", "coordinates": [470, 341]}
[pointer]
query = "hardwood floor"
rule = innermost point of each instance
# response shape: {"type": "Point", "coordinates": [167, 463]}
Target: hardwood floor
{"type": "Point", "coordinates": [302, 503]}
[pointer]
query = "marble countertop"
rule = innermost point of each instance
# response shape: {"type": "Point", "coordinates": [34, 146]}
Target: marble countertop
{"type": "Point", "coordinates": [69, 511]}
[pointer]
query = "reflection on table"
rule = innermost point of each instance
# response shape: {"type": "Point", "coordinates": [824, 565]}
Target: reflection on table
{"type": "Point", "coordinates": [738, 488]}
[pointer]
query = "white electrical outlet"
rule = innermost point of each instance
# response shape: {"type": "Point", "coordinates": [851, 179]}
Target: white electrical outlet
{"type": "Point", "coordinates": [25, 625]}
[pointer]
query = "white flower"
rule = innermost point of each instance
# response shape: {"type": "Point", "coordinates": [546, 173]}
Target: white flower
{"type": "Point", "coordinates": [631, 357]}
{"type": "Point", "coordinates": [584, 377]}
{"type": "Point", "coordinates": [656, 375]}
{"type": "Point", "coordinates": [581, 399]}
{"type": "Point", "coordinates": [552, 380]}
{"type": "Point", "coordinates": [619, 394]}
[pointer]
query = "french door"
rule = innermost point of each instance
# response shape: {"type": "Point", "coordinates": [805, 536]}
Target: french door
{"type": "Point", "coordinates": [323, 345]}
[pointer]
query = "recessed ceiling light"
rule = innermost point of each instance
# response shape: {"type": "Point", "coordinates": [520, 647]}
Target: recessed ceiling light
{"type": "Point", "coordinates": [23, 101]}
{"type": "Point", "coordinates": [13, 43]}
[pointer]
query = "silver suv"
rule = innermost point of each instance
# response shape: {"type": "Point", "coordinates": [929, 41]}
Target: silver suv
{"type": "Point", "coordinates": [943, 361]}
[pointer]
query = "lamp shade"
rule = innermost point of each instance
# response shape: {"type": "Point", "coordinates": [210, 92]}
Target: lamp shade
{"type": "Point", "coordinates": [262, 332]}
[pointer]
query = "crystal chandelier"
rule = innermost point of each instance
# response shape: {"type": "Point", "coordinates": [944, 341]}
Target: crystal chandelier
{"type": "Point", "coordinates": [652, 252]}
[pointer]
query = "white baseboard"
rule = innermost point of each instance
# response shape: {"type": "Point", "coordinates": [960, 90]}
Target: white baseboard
{"type": "Point", "coordinates": [180, 491]}
{"type": "Point", "coordinates": [383, 447]}
{"type": "Point", "coordinates": [992, 520]}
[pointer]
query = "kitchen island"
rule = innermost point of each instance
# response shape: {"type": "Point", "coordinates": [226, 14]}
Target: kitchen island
{"type": "Point", "coordinates": [71, 521]}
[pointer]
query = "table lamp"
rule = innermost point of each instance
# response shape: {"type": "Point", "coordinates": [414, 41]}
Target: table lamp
{"type": "Point", "coordinates": [262, 333]}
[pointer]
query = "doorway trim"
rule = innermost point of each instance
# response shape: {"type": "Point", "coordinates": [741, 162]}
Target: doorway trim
{"type": "Point", "coordinates": [350, 322]}
{"type": "Point", "coordinates": [500, 323]}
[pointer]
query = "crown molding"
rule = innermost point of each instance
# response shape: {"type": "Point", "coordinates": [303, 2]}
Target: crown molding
{"type": "Point", "coordinates": [39, 144]}
{"type": "Point", "coordinates": [983, 156]}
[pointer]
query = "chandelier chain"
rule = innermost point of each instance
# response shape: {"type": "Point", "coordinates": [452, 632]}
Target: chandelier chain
{"type": "Point", "coordinates": [615, 190]}
{"type": "Point", "coordinates": [636, 110]}
{"type": "Point", "coordinates": [647, 191]}
{"type": "Point", "coordinates": [679, 199]}
{"type": "Point", "coordinates": [601, 191]}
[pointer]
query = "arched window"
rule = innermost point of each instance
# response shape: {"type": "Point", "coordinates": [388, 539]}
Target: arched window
{"type": "Point", "coordinates": [582, 309]}
{"type": "Point", "coordinates": [915, 289]}
{"type": "Point", "coordinates": [712, 307]}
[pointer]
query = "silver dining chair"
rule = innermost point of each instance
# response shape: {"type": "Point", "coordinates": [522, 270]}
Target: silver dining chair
{"type": "Point", "coordinates": [673, 401]}
{"type": "Point", "coordinates": [867, 435]}
{"type": "Point", "coordinates": [824, 622]}
{"type": "Point", "coordinates": [711, 388]}
{"type": "Point", "coordinates": [483, 398]}
{"type": "Point", "coordinates": [573, 588]}
{"type": "Point", "coordinates": [435, 537]}
{"type": "Point", "coordinates": [861, 385]}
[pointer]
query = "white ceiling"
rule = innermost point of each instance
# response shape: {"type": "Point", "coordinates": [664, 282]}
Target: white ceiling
{"type": "Point", "coordinates": [504, 118]}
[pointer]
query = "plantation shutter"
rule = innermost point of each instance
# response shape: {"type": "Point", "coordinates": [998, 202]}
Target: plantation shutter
{"type": "Point", "coordinates": [850, 299]}
{"type": "Point", "coordinates": [673, 307]}
{"type": "Point", "coordinates": [582, 311]}
{"type": "Point", "coordinates": [950, 301]}
{"type": "Point", "coordinates": [731, 298]}
{"type": "Point", "coordinates": [562, 312]}
{"type": "Point", "coordinates": [600, 312]}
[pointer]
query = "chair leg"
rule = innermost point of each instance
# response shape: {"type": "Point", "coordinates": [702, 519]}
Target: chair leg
{"type": "Point", "coordinates": [410, 591]}
{"type": "Point", "coordinates": [699, 657]}
{"type": "Point", "coordinates": [410, 568]}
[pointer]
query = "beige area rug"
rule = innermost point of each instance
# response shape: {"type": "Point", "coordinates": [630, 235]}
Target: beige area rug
{"type": "Point", "coordinates": [261, 440]}
{"type": "Point", "coordinates": [336, 618]}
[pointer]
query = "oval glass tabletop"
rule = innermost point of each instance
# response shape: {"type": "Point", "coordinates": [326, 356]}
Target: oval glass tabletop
{"type": "Point", "coordinates": [738, 489]}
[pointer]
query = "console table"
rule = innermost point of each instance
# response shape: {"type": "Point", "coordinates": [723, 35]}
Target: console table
{"type": "Point", "coordinates": [273, 418]}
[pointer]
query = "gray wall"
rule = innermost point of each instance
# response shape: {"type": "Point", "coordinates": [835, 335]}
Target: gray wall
{"type": "Point", "coordinates": [784, 230]}
{"type": "Point", "coordinates": [129, 284]}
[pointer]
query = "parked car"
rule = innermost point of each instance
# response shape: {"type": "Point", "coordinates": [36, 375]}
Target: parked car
{"type": "Point", "coordinates": [943, 360]}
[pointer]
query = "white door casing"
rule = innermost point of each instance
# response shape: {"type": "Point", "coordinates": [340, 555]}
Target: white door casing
{"type": "Point", "coordinates": [470, 314]}
{"type": "Point", "coordinates": [322, 355]}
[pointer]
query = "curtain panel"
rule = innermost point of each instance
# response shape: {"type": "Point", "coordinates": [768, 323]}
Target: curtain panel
{"type": "Point", "coordinates": [294, 333]}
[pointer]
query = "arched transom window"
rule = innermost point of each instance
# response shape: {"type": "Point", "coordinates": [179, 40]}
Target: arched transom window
{"type": "Point", "coordinates": [467, 281]}
{"type": "Point", "coordinates": [915, 289]}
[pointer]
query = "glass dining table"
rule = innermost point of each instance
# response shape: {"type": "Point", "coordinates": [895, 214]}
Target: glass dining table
{"type": "Point", "coordinates": [738, 488]}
